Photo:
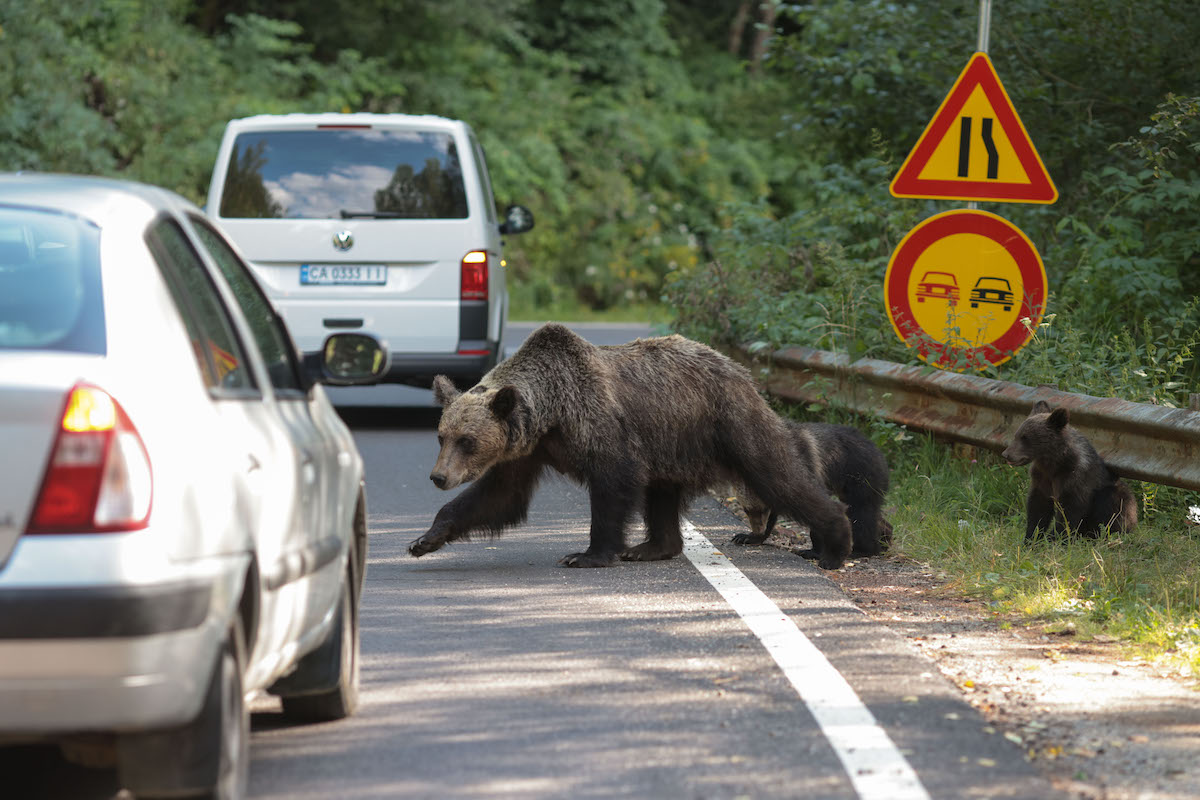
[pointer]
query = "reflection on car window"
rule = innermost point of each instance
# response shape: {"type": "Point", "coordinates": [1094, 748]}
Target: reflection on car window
{"type": "Point", "coordinates": [218, 352]}
{"type": "Point", "coordinates": [489, 202]}
{"type": "Point", "coordinates": [319, 174]}
{"type": "Point", "coordinates": [274, 343]}
{"type": "Point", "coordinates": [50, 296]}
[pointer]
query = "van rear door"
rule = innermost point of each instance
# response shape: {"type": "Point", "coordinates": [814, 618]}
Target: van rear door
{"type": "Point", "coordinates": [352, 226]}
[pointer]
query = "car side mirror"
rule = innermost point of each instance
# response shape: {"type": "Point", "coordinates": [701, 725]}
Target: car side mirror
{"type": "Point", "coordinates": [349, 359]}
{"type": "Point", "coordinates": [517, 219]}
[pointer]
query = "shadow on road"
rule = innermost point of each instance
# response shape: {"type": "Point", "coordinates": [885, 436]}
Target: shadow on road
{"type": "Point", "coordinates": [378, 418]}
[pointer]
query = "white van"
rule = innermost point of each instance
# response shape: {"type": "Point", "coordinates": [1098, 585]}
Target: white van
{"type": "Point", "coordinates": [379, 222]}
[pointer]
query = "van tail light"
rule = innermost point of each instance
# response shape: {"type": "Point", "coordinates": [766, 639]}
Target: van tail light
{"type": "Point", "coordinates": [99, 478]}
{"type": "Point", "coordinates": [475, 275]}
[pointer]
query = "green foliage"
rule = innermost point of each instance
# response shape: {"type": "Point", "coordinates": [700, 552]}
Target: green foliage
{"type": "Point", "coordinates": [586, 110]}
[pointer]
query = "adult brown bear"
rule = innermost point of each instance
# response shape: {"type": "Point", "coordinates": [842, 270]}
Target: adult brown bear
{"type": "Point", "coordinates": [655, 421]}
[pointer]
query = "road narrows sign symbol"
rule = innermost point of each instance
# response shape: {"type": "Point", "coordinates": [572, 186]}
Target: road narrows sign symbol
{"type": "Point", "coordinates": [975, 147]}
{"type": "Point", "coordinates": [966, 288]}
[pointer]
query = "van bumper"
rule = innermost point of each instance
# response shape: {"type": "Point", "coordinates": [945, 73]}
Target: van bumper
{"type": "Point", "coordinates": [465, 367]}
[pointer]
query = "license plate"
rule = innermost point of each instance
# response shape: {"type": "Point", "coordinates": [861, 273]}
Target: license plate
{"type": "Point", "coordinates": [342, 275]}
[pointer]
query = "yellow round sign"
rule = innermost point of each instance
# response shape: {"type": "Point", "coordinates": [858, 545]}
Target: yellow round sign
{"type": "Point", "coordinates": [966, 288]}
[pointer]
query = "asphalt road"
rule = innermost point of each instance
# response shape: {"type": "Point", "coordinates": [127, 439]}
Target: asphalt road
{"type": "Point", "coordinates": [488, 671]}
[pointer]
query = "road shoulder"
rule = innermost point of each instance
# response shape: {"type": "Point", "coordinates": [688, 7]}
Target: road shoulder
{"type": "Point", "coordinates": [1098, 724]}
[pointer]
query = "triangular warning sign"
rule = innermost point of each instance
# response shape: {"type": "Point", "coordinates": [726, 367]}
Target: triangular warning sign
{"type": "Point", "coordinates": [975, 147]}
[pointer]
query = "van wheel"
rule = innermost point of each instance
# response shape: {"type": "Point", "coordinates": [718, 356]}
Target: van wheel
{"type": "Point", "coordinates": [332, 669]}
{"type": "Point", "coordinates": [209, 757]}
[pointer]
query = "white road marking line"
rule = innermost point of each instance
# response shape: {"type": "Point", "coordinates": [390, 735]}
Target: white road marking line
{"type": "Point", "coordinates": [875, 767]}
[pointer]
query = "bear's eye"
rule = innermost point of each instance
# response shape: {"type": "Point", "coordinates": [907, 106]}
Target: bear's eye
{"type": "Point", "coordinates": [467, 445]}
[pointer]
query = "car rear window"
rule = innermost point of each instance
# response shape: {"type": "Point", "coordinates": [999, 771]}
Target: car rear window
{"type": "Point", "coordinates": [50, 296]}
{"type": "Point", "coordinates": [344, 173]}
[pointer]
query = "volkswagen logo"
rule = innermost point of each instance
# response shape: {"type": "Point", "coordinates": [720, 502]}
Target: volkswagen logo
{"type": "Point", "coordinates": [343, 240]}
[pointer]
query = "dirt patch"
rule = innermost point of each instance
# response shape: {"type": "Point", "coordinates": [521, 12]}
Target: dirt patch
{"type": "Point", "coordinates": [1099, 725]}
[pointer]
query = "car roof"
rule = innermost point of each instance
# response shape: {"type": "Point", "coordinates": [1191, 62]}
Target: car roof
{"type": "Point", "coordinates": [102, 201]}
{"type": "Point", "coordinates": [284, 121]}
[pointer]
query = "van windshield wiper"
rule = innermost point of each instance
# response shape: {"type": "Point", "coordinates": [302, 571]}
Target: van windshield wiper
{"type": "Point", "coordinates": [349, 214]}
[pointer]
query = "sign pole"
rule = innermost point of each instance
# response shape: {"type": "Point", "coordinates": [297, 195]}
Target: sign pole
{"type": "Point", "coordinates": [985, 33]}
{"type": "Point", "coordinates": [985, 24]}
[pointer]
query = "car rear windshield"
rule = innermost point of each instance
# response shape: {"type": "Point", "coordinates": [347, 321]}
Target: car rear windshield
{"type": "Point", "coordinates": [342, 173]}
{"type": "Point", "coordinates": [50, 295]}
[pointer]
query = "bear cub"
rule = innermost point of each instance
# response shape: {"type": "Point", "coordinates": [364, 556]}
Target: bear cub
{"type": "Point", "coordinates": [850, 466]}
{"type": "Point", "coordinates": [1072, 488]}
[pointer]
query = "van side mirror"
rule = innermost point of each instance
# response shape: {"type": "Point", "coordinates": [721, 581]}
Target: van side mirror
{"type": "Point", "coordinates": [517, 219]}
{"type": "Point", "coordinates": [349, 359]}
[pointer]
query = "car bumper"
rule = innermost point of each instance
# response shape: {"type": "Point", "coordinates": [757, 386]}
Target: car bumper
{"type": "Point", "coordinates": [111, 657]}
{"type": "Point", "coordinates": [466, 367]}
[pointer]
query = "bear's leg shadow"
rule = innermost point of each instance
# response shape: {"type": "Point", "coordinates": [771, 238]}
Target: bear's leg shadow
{"type": "Point", "coordinates": [612, 490]}
{"type": "Point", "coordinates": [499, 499]}
{"type": "Point", "coordinates": [663, 507]}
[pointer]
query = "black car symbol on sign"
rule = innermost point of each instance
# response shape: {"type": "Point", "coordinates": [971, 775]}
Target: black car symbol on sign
{"type": "Point", "coordinates": [992, 290]}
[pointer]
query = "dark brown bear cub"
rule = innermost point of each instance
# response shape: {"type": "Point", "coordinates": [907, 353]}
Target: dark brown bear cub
{"type": "Point", "coordinates": [1072, 489]}
{"type": "Point", "coordinates": [653, 423]}
{"type": "Point", "coordinates": [848, 464]}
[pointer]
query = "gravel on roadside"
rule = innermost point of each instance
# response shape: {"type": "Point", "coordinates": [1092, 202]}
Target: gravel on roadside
{"type": "Point", "coordinates": [1099, 724]}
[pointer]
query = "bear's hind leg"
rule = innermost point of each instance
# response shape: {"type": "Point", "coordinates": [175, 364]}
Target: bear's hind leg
{"type": "Point", "coordinates": [794, 493]}
{"type": "Point", "coordinates": [664, 504]}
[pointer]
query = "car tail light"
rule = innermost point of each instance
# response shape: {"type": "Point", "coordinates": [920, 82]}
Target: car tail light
{"type": "Point", "coordinates": [475, 275]}
{"type": "Point", "coordinates": [99, 476]}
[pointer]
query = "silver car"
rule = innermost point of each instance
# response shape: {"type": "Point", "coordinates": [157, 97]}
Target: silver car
{"type": "Point", "coordinates": [182, 512]}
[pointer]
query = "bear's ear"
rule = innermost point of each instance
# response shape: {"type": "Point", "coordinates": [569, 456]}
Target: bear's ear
{"type": "Point", "coordinates": [1041, 407]}
{"type": "Point", "coordinates": [505, 401]}
{"type": "Point", "coordinates": [1059, 419]}
{"type": "Point", "coordinates": [444, 391]}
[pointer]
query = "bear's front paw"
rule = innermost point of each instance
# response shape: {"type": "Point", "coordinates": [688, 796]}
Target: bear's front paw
{"type": "Point", "coordinates": [811, 555]}
{"type": "Point", "coordinates": [419, 547]}
{"type": "Point", "coordinates": [587, 560]}
{"type": "Point", "coordinates": [749, 538]}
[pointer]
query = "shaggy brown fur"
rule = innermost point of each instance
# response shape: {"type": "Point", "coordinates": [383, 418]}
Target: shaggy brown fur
{"type": "Point", "coordinates": [1073, 490]}
{"type": "Point", "coordinates": [655, 421]}
{"type": "Point", "coordinates": [849, 465]}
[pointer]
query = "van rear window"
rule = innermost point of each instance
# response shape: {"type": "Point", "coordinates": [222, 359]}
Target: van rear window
{"type": "Point", "coordinates": [344, 173]}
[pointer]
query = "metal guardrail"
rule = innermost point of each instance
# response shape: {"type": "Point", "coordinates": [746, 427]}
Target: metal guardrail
{"type": "Point", "coordinates": [1139, 441]}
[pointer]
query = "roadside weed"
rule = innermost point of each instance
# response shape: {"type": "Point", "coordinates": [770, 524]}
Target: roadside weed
{"type": "Point", "coordinates": [963, 515]}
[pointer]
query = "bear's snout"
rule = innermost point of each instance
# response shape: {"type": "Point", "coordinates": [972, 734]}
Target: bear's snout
{"type": "Point", "coordinates": [1015, 459]}
{"type": "Point", "coordinates": [439, 480]}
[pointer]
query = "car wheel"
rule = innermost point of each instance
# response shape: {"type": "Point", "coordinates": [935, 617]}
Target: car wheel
{"type": "Point", "coordinates": [209, 757]}
{"type": "Point", "coordinates": [335, 661]}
